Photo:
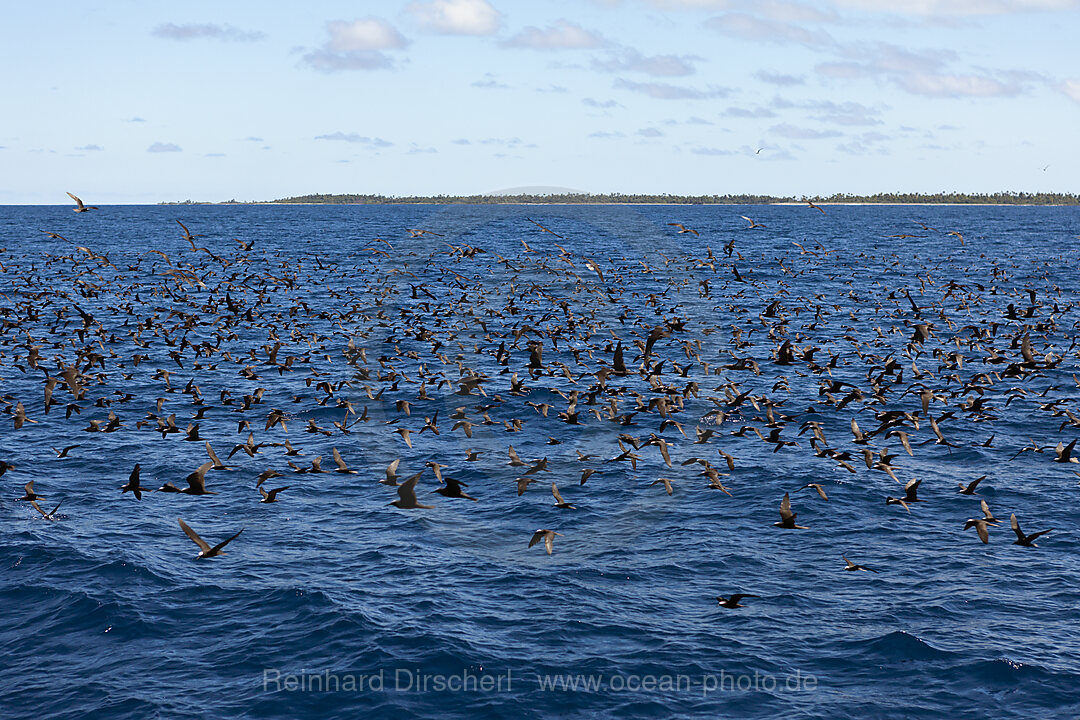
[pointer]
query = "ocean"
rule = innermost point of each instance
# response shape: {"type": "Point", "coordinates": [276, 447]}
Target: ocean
{"type": "Point", "coordinates": [333, 603]}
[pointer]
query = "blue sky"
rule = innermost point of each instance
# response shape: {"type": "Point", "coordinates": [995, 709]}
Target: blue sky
{"type": "Point", "coordinates": [131, 101]}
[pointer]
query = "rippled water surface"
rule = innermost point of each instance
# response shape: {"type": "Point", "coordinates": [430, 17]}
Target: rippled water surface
{"type": "Point", "coordinates": [106, 613]}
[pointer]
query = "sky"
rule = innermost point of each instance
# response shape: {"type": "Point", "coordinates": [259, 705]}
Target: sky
{"type": "Point", "coordinates": [135, 101]}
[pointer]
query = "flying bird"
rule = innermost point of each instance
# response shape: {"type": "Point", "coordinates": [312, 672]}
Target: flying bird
{"type": "Point", "coordinates": [205, 551]}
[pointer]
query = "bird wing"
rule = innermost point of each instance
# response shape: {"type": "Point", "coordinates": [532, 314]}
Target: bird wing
{"type": "Point", "coordinates": [785, 508]}
{"type": "Point", "coordinates": [77, 200]}
{"type": "Point", "coordinates": [217, 548]}
{"type": "Point", "coordinates": [203, 545]}
{"type": "Point", "coordinates": [1016, 528]}
{"type": "Point", "coordinates": [407, 490]}
{"type": "Point", "coordinates": [555, 492]}
{"type": "Point", "coordinates": [197, 479]}
{"type": "Point", "coordinates": [213, 455]}
{"type": "Point", "coordinates": [340, 463]}
{"type": "Point", "coordinates": [391, 470]}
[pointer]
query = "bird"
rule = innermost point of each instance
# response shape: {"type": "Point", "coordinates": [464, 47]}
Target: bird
{"type": "Point", "coordinates": [391, 473]}
{"type": "Point", "coordinates": [980, 525]}
{"type": "Point", "coordinates": [559, 502]}
{"type": "Point", "coordinates": [1021, 538]}
{"type": "Point", "coordinates": [30, 495]}
{"type": "Point", "coordinates": [269, 496]}
{"type": "Point", "coordinates": [133, 484]}
{"type": "Point", "coordinates": [752, 223]}
{"type": "Point", "coordinates": [665, 481]}
{"type": "Point", "coordinates": [64, 452]}
{"type": "Point", "coordinates": [684, 229]}
{"type": "Point", "coordinates": [853, 567]}
{"type": "Point", "coordinates": [453, 490]}
{"type": "Point", "coordinates": [733, 601]}
{"type": "Point", "coordinates": [969, 489]}
{"type": "Point", "coordinates": [815, 207]}
{"type": "Point", "coordinates": [407, 495]}
{"type": "Point", "coordinates": [787, 518]}
{"type": "Point", "coordinates": [197, 481]}
{"type": "Point", "coordinates": [548, 536]}
{"type": "Point", "coordinates": [79, 207]}
{"type": "Point", "coordinates": [341, 466]}
{"type": "Point", "coordinates": [544, 229]}
{"type": "Point", "coordinates": [817, 487]}
{"type": "Point", "coordinates": [205, 551]}
{"type": "Point", "coordinates": [51, 515]}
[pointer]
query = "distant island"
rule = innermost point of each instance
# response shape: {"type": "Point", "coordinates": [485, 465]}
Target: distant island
{"type": "Point", "coordinates": [997, 198]}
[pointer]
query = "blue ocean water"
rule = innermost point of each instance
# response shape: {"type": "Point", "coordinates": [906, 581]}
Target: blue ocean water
{"type": "Point", "coordinates": [332, 603]}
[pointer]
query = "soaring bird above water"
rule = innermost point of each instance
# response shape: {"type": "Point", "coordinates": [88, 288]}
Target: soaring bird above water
{"type": "Point", "coordinates": [548, 536]}
{"type": "Point", "coordinates": [79, 206]}
{"type": "Point", "coordinates": [205, 551]}
{"type": "Point", "coordinates": [733, 601]}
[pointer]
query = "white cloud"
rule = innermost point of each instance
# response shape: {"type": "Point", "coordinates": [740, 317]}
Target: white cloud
{"type": "Point", "coordinates": [456, 17]}
{"type": "Point", "coordinates": [194, 31]}
{"type": "Point", "coordinates": [356, 45]}
{"type": "Point", "coordinates": [90, 147]}
{"type": "Point", "coordinates": [362, 35]}
{"type": "Point", "coordinates": [160, 147]}
{"type": "Point", "coordinates": [563, 35]}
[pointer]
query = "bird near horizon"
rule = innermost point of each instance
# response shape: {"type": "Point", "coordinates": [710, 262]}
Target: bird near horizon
{"type": "Point", "coordinates": [79, 206]}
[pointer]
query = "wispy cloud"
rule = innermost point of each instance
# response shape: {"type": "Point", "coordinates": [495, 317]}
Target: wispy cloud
{"type": "Point", "coordinates": [759, 29]}
{"type": "Point", "coordinates": [562, 35]}
{"type": "Point", "coordinates": [490, 83]}
{"type": "Point", "coordinates": [160, 147]}
{"type": "Point", "coordinates": [630, 60]}
{"type": "Point", "coordinates": [600, 104]}
{"type": "Point", "coordinates": [802, 133]}
{"type": "Point", "coordinates": [356, 45]}
{"type": "Point", "coordinates": [748, 113]}
{"type": "Point", "coordinates": [89, 148]}
{"type": "Point", "coordinates": [960, 7]}
{"type": "Point", "coordinates": [1072, 89]}
{"type": "Point", "coordinates": [711, 151]}
{"type": "Point", "coordinates": [357, 138]}
{"type": "Point", "coordinates": [779, 79]}
{"type": "Point", "coordinates": [926, 72]}
{"type": "Point", "coordinates": [456, 17]}
{"type": "Point", "coordinates": [666, 91]}
{"type": "Point", "coordinates": [197, 31]}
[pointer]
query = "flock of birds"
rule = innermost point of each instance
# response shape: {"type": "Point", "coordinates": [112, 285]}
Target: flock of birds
{"type": "Point", "coordinates": [548, 341]}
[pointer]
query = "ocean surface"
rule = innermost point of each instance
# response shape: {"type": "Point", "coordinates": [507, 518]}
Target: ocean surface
{"type": "Point", "coordinates": [332, 603]}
